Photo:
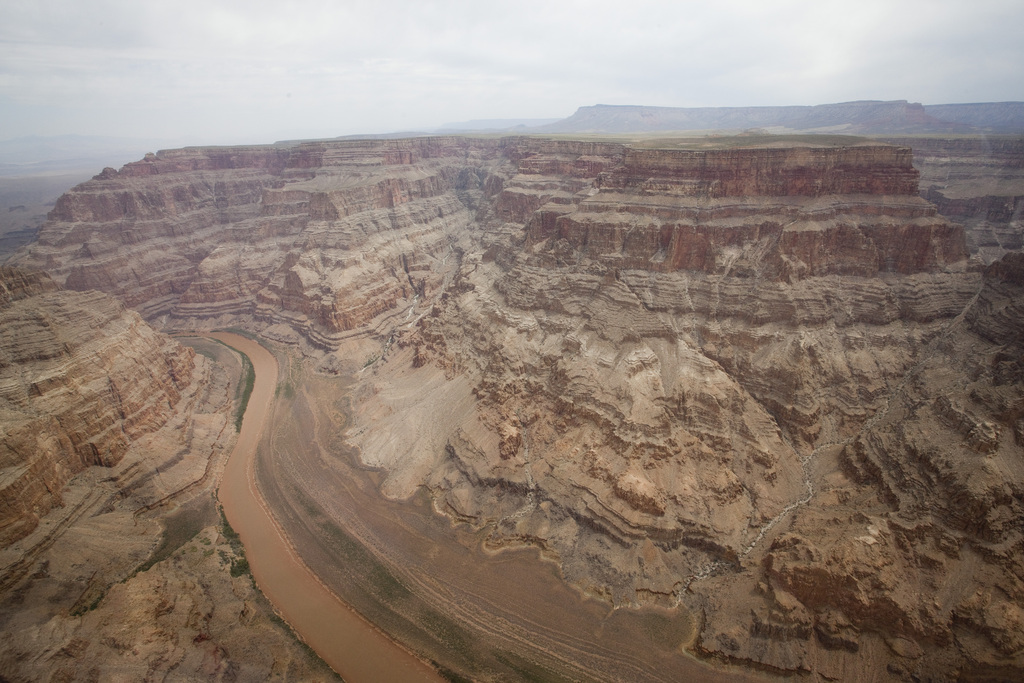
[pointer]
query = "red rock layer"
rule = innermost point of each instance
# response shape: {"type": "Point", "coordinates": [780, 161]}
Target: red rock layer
{"type": "Point", "coordinates": [786, 213]}
{"type": "Point", "coordinates": [978, 181]}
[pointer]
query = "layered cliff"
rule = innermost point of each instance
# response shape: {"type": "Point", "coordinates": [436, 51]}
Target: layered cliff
{"type": "Point", "coordinates": [328, 237]}
{"type": "Point", "coordinates": [322, 237]}
{"type": "Point", "coordinates": [660, 368]}
{"type": "Point", "coordinates": [81, 377]}
{"type": "Point", "coordinates": [697, 373]}
{"type": "Point", "coordinates": [979, 182]}
{"type": "Point", "coordinates": [122, 570]}
{"type": "Point", "coordinates": [911, 550]}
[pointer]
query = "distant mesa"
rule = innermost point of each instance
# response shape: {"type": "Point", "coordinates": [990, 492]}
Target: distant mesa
{"type": "Point", "coordinates": [858, 118]}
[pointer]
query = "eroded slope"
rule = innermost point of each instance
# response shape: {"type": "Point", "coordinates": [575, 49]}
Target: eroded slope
{"type": "Point", "coordinates": [654, 366]}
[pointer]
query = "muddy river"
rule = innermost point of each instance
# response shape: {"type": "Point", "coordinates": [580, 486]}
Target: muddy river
{"type": "Point", "coordinates": [347, 642]}
{"type": "Point", "coordinates": [430, 585]}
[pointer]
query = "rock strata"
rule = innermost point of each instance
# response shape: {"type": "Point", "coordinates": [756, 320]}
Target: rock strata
{"type": "Point", "coordinates": [979, 182]}
{"type": "Point", "coordinates": [321, 237]}
{"type": "Point", "coordinates": [669, 376]}
{"type": "Point", "coordinates": [763, 383]}
{"type": "Point", "coordinates": [128, 572]}
{"type": "Point", "coordinates": [81, 377]}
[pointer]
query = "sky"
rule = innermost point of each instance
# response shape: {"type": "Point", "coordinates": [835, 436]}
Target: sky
{"type": "Point", "coordinates": [226, 72]}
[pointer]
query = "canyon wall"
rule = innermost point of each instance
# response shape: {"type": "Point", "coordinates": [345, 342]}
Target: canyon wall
{"type": "Point", "coordinates": [765, 383]}
{"type": "Point", "coordinates": [323, 238]}
{"type": "Point", "coordinates": [81, 377]}
{"type": "Point", "coordinates": [660, 367]}
{"type": "Point", "coordinates": [979, 182]}
{"type": "Point", "coordinates": [114, 562]}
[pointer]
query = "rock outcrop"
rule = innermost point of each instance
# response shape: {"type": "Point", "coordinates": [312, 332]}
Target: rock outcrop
{"type": "Point", "coordinates": [916, 540]}
{"type": "Point", "coordinates": [122, 570]}
{"type": "Point", "coordinates": [81, 377]}
{"type": "Point", "coordinates": [660, 368]}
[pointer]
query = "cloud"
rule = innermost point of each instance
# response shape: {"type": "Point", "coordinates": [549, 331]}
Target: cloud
{"type": "Point", "coordinates": [225, 70]}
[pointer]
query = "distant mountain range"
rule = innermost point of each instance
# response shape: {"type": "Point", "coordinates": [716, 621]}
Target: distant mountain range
{"type": "Point", "coordinates": [862, 117]}
{"type": "Point", "coordinates": [483, 125]}
{"type": "Point", "coordinates": [36, 155]}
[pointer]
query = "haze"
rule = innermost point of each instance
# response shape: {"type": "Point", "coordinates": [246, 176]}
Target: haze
{"type": "Point", "coordinates": [228, 72]}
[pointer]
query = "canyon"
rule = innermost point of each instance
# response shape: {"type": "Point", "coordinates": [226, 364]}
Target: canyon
{"type": "Point", "coordinates": [83, 377]}
{"type": "Point", "coordinates": [763, 384]}
{"type": "Point", "coordinates": [115, 564]}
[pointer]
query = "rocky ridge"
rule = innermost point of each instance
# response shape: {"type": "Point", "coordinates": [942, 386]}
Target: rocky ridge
{"type": "Point", "coordinates": [764, 383]}
{"type": "Point", "coordinates": [670, 367]}
{"type": "Point", "coordinates": [322, 238]}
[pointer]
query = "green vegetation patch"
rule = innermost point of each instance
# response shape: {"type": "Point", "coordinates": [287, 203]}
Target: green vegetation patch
{"type": "Point", "coordinates": [239, 562]}
{"type": "Point", "coordinates": [247, 380]}
{"type": "Point", "coordinates": [453, 636]}
{"type": "Point", "coordinates": [180, 527]}
{"type": "Point", "coordinates": [85, 607]}
{"type": "Point", "coordinates": [449, 675]}
{"type": "Point", "coordinates": [244, 392]}
{"type": "Point", "coordinates": [286, 390]}
{"type": "Point", "coordinates": [229, 533]}
{"type": "Point", "coordinates": [206, 352]}
{"type": "Point", "coordinates": [384, 584]}
{"type": "Point", "coordinates": [239, 566]}
{"type": "Point", "coordinates": [526, 670]}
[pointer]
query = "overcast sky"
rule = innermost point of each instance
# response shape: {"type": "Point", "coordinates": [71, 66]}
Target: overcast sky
{"type": "Point", "coordinates": [219, 71]}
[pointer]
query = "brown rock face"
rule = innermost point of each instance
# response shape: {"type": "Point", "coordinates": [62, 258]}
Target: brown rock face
{"type": "Point", "coordinates": [690, 371]}
{"type": "Point", "coordinates": [329, 237]}
{"type": "Point", "coordinates": [131, 574]}
{"type": "Point", "coordinates": [791, 213]}
{"type": "Point", "coordinates": [81, 377]}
